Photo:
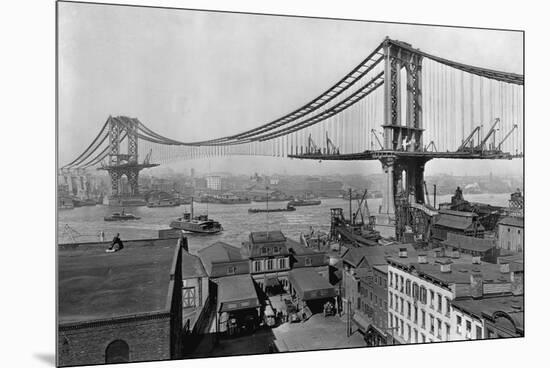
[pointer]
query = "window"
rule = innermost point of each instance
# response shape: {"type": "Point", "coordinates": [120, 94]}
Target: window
{"type": "Point", "coordinates": [447, 331]}
{"type": "Point", "coordinates": [415, 335]}
{"type": "Point", "coordinates": [308, 261]}
{"type": "Point", "coordinates": [402, 328]}
{"type": "Point", "coordinates": [408, 287]}
{"type": "Point", "coordinates": [439, 328]}
{"type": "Point", "coordinates": [391, 300]}
{"type": "Point", "coordinates": [402, 307]}
{"type": "Point", "coordinates": [423, 337]}
{"type": "Point", "coordinates": [432, 297]}
{"type": "Point", "coordinates": [401, 283]}
{"type": "Point", "coordinates": [396, 282]}
{"type": "Point", "coordinates": [390, 279]}
{"type": "Point", "coordinates": [415, 291]}
{"type": "Point", "coordinates": [390, 318]}
{"type": "Point", "coordinates": [409, 310]}
{"type": "Point", "coordinates": [385, 306]}
{"type": "Point", "coordinates": [282, 263]}
{"type": "Point", "coordinates": [458, 324]}
{"type": "Point", "coordinates": [117, 351]}
{"type": "Point", "coordinates": [468, 330]}
{"type": "Point", "coordinates": [423, 314]}
{"type": "Point", "coordinates": [423, 294]}
{"type": "Point", "coordinates": [257, 266]}
{"type": "Point", "coordinates": [448, 306]}
{"type": "Point", "coordinates": [478, 333]}
{"type": "Point", "coordinates": [269, 264]}
{"type": "Point", "coordinates": [415, 315]}
{"type": "Point", "coordinates": [231, 270]}
{"type": "Point", "coordinates": [409, 335]}
{"type": "Point", "coordinates": [264, 251]}
{"type": "Point", "coordinates": [276, 250]}
{"type": "Point", "coordinates": [439, 303]}
{"type": "Point", "coordinates": [188, 296]}
{"type": "Point", "coordinates": [432, 324]}
{"type": "Point", "coordinates": [376, 279]}
{"type": "Point", "coordinates": [396, 303]}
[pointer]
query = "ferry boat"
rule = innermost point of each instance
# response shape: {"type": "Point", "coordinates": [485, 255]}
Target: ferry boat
{"type": "Point", "coordinates": [199, 224]}
{"type": "Point", "coordinates": [117, 216]}
{"type": "Point", "coordinates": [163, 203]}
{"type": "Point", "coordinates": [304, 202]}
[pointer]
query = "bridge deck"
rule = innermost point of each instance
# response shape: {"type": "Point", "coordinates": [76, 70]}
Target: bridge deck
{"type": "Point", "coordinates": [376, 155]}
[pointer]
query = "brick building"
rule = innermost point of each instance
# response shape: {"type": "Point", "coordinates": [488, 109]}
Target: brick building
{"type": "Point", "coordinates": [119, 307]}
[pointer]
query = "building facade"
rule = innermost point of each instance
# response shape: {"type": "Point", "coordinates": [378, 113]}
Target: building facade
{"type": "Point", "coordinates": [511, 234]}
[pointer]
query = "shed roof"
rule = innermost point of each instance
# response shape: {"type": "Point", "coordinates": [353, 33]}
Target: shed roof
{"type": "Point", "coordinates": [219, 252]}
{"type": "Point", "coordinates": [236, 292]}
{"type": "Point", "coordinates": [94, 285]}
{"type": "Point", "coordinates": [192, 266]}
{"type": "Point", "coordinates": [469, 242]}
{"type": "Point", "coordinates": [309, 284]}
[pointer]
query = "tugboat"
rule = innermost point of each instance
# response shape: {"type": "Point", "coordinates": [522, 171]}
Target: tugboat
{"type": "Point", "coordinates": [200, 224]}
{"type": "Point", "coordinates": [121, 216]}
{"type": "Point", "coordinates": [304, 202]}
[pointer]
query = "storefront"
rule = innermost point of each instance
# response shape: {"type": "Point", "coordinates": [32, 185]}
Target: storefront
{"type": "Point", "coordinates": [238, 305]}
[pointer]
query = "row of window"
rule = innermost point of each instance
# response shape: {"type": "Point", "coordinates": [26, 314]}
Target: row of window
{"type": "Point", "coordinates": [269, 264]}
{"type": "Point", "coordinates": [412, 315]}
{"type": "Point", "coordinates": [265, 250]}
{"type": "Point", "coordinates": [468, 330]}
{"type": "Point", "coordinates": [420, 293]}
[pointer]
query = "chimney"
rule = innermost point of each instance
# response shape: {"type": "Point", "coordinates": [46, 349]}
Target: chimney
{"type": "Point", "coordinates": [184, 243]}
{"type": "Point", "coordinates": [476, 260]}
{"type": "Point", "coordinates": [476, 285]}
{"type": "Point", "coordinates": [402, 252]}
{"type": "Point", "coordinates": [504, 268]}
{"type": "Point", "coordinates": [445, 266]}
{"type": "Point", "coordinates": [516, 278]}
{"type": "Point", "coordinates": [438, 253]}
{"type": "Point", "coordinates": [455, 253]}
{"type": "Point", "coordinates": [422, 258]}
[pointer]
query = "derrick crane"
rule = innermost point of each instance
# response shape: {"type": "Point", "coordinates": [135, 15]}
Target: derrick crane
{"type": "Point", "coordinates": [377, 139]}
{"type": "Point", "coordinates": [507, 136]}
{"type": "Point", "coordinates": [489, 134]}
{"type": "Point", "coordinates": [463, 146]}
{"type": "Point", "coordinates": [331, 148]}
{"type": "Point", "coordinates": [311, 146]}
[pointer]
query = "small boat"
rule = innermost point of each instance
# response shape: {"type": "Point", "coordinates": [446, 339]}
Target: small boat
{"type": "Point", "coordinates": [116, 216]}
{"type": "Point", "coordinates": [199, 224]}
{"type": "Point", "coordinates": [304, 202]}
{"type": "Point", "coordinates": [260, 210]}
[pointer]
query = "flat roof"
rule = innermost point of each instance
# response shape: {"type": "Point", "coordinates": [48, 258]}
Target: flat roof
{"type": "Point", "coordinates": [376, 255]}
{"type": "Point", "coordinates": [94, 285]}
{"type": "Point", "coordinates": [469, 242]}
{"type": "Point", "coordinates": [267, 236]}
{"type": "Point", "coordinates": [236, 292]}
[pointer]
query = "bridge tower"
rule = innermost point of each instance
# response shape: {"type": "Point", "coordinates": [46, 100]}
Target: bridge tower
{"type": "Point", "coordinates": [121, 164]}
{"type": "Point", "coordinates": [400, 158]}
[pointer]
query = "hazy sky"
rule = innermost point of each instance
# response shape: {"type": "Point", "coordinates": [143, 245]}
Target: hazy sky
{"type": "Point", "coordinates": [195, 75]}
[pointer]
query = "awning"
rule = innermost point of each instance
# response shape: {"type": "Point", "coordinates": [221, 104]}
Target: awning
{"type": "Point", "coordinates": [309, 285]}
{"type": "Point", "coordinates": [236, 293]}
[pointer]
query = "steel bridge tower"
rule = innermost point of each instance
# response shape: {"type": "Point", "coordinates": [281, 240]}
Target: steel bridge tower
{"type": "Point", "coordinates": [404, 171]}
{"type": "Point", "coordinates": [121, 164]}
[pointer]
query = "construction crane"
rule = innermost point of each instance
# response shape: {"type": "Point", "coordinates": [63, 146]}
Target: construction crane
{"type": "Point", "coordinates": [506, 136]}
{"type": "Point", "coordinates": [464, 145]}
{"type": "Point", "coordinates": [311, 146]}
{"type": "Point", "coordinates": [492, 131]}
{"type": "Point", "coordinates": [331, 148]}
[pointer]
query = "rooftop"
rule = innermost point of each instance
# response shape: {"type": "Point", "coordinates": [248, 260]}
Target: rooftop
{"type": "Point", "coordinates": [233, 289]}
{"type": "Point", "coordinates": [509, 304]}
{"type": "Point", "coordinates": [192, 266]}
{"type": "Point", "coordinates": [219, 252]}
{"type": "Point", "coordinates": [512, 221]}
{"type": "Point", "coordinates": [376, 255]}
{"type": "Point", "coordinates": [469, 242]}
{"type": "Point", "coordinates": [96, 285]}
{"type": "Point", "coordinates": [267, 236]}
{"type": "Point", "coordinates": [458, 213]}
{"type": "Point", "coordinates": [454, 222]}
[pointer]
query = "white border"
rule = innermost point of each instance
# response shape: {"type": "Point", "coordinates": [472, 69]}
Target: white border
{"type": "Point", "coordinates": [28, 180]}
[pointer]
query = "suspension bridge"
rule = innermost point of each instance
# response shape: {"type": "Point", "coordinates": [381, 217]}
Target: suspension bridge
{"type": "Point", "coordinates": [400, 105]}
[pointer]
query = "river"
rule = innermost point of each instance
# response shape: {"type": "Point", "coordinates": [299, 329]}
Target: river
{"type": "Point", "coordinates": [87, 222]}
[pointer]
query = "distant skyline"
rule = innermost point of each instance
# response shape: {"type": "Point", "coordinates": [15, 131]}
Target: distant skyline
{"type": "Point", "coordinates": [193, 75]}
